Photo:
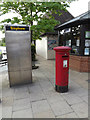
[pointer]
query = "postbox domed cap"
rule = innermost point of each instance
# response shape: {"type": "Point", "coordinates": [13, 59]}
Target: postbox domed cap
{"type": "Point", "coordinates": [61, 48]}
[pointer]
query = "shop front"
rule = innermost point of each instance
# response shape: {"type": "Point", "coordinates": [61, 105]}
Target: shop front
{"type": "Point", "coordinates": [76, 34]}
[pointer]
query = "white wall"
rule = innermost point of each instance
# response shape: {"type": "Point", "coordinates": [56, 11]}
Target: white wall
{"type": "Point", "coordinates": [41, 47]}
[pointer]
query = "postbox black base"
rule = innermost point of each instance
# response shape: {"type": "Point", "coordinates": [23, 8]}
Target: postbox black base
{"type": "Point", "coordinates": [61, 89]}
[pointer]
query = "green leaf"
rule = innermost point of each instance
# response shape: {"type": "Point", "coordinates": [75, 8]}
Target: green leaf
{"type": "Point", "coordinates": [34, 11]}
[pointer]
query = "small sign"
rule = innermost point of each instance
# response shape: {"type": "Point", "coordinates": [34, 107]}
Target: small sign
{"type": "Point", "coordinates": [69, 42]}
{"type": "Point", "coordinates": [51, 44]}
{"type": "Point", "coordinates": [86, 51]}
{"type": "Point", "coordinates": [87, 34]}
{"type": "Point", "coordinates": [64, 63]}
{"type": "Point", "coordinates": [87, 43]}
{"type": "Point", "coordinates": [17, 28]}
{"type": "Point", "coordinates": [77, 43]}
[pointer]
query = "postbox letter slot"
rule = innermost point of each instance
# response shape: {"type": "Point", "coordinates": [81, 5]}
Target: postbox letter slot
{"type": "Point", "coordinates": [64, 56]}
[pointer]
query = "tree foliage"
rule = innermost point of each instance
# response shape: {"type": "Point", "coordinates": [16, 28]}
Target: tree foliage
{"type": "Point", "coordinates": [30, 12]}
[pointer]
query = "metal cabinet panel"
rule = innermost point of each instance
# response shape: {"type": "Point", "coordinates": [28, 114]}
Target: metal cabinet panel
{"type": "Point", "coordinates": [20, 77]}
{"type": "Point", "coordinates": [19, 56]}
{"type": "Point", "coordinates": [18, 52]}
{"type": "Point", "coordinates": [14, 78]}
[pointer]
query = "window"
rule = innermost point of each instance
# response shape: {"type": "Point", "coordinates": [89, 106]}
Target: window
{"type": "Point", "coordinates": [68, 43]}
{"type": "Point", "coordinates": [87, 34]}
{"type": "Point", "coordinates": [87, 43]}
{"type": "Point", "coordinates": [86, 51]}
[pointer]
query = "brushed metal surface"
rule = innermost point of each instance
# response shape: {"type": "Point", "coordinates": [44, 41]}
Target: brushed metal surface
{"type": "Point", "coordinates": [19, 57]}
{"type": "Point", "coordinates": [18, 50]}
{"type": "Point", "coordinates": [20, 77]}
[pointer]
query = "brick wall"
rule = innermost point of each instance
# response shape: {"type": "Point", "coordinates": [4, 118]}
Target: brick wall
{"type": "Point", "coordinates": [80, 63]}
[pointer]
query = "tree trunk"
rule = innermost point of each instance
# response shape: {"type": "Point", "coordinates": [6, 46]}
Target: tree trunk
{"type": "Point", "coordinates": [31, 30]}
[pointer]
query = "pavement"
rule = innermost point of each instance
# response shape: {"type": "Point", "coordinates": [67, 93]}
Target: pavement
{"type": "Point", "coordinates": [39, 99]}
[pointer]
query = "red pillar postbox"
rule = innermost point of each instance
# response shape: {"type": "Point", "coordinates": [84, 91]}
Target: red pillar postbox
{"type": "Point", "coordinates": [62, 68]}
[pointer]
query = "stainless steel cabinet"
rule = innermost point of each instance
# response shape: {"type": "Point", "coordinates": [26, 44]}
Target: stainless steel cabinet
{"type": "Point", "coordinates": [18, 54]}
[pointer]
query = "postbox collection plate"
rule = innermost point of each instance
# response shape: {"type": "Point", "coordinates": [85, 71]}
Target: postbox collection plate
{"type": "Point", "coordinates": [64, 63]}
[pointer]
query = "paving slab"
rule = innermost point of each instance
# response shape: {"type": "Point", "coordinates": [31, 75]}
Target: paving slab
{"type": "Point", "coordinates": [45, 114]}
{"type": "Point", "coordinates": [37, 97]}
{"type": "Point", "coordinates": [21, 92]}
{"type": "Point", "coordinates": [46, 86]}
{"type": "Point", "coordinates": [35, 89]}
{"type": "Point", "coordinates": [69, 115]}
{"type": "Point", "coordinates": [21, 104]}
{"type": "Point", "coordinates": [60, 108]}
{"type": "Point", "coordinates": [54, 98]}
{"type": "Point", "coordinates": [7, 92]}
{"type": "Point", "coordinates": [38, 74]}
{"type": "Point", "coordinates": [73, 85]}
{"type": "Point", "coordinates": [7, 101]}
{"type": "Point", "coordinates": [85, 99]}
{"type": "Point", "coordinates": [26, 113]}
{"type": "Point", "coordinates": [21, 95]}
{"type": "Point", "coordinates": [80, 78]}
{"type": "Point", "coordinates": [81, 109]}
{"type": "Point", "coordinates": [20, 88]}
{"type": "Point", "coordinates": [7, 112]}
{"type": "Point", "coordinates": [72, 98]}
{"type": "Point", "coordinates": [42, 109]}
{"type": "Point", "coordinates": [40, 106]}
{"type": "Point", "coordinates": [81, 92]}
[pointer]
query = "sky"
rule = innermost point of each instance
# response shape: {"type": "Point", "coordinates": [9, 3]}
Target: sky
{"type": "Point", "coordinates": [76, 8]}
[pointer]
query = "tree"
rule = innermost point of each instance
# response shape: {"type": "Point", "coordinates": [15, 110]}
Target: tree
{"type": "Point", "coordinates": [31, 12]}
